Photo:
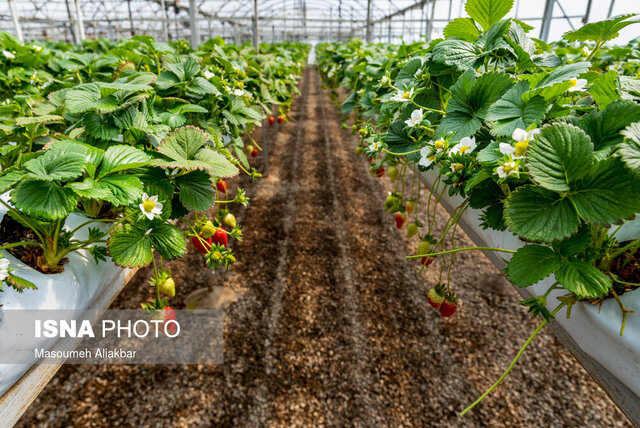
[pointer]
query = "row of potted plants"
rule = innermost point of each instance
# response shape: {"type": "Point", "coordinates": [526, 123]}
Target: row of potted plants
{"type": "Point", "coordinates": [542, 139]}
{"type": "Point", "coordinates": [133, 135]}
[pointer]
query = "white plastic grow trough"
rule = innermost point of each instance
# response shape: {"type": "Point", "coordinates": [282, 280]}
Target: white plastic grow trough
{"type": "Point", "coordinates": [592, 335]}
{"type": "Point", "coordinates": [84, 286]}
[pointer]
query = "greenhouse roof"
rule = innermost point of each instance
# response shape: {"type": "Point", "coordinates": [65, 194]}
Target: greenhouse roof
{"type": "Point", "coordinates": [306, 20]}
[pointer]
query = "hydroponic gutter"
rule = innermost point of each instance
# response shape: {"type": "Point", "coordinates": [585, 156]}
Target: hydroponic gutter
{"type": "Point", "coordinates": [592, 336]}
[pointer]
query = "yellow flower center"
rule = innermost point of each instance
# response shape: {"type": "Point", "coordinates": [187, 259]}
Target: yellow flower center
{"type": "Point", "coordinates": [464, 149]}
{"type": "Point", "coordinates": [405, 95]}
{"type": "Point", "coordinates": [432, 158]}
{"type": "Point", "coordinates": [574, 82]}
{"type": "Point", "coordinates": [148, 206]}
{"type": "Point", "coordinates": [521, 147]}
{"type": "Point", "coordinates": [439, 144]}
{"type": "Point", "coordinates": [458, 166]}
{"type": "Point", "coordinates": [508, 168]}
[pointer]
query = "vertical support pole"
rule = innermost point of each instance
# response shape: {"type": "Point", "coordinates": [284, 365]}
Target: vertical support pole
{"type": "Point", "coordinates": [339, 20]}
{"type": "Point", "coordinates": [546, 19]}
{"type": "Point", "coordinates": [79, 21]}
{"type": "Point", "coordinates": [451, 7]}
{"type": "Point", "coordinates": [193, 21]}
{"type": "Point", "coordinates": [404, 15]}
{"type": "Point", "coordinates": [613, 2]}
{"type": "Point", "coordinates": [16, 21]}
{"type": "Point", "coordinates": [273, 33]}
{"type": "Point", "coordinates": [72, 22]}
{"type": "Point", "coordinates": [429, 28]}
{"type": "Point", "coordinates": [517, 8]}
{"type": "Point", "coordinates": [165, 23]}
{"type": "Point", "coordinates": [132, 28]}
{"type": "Point", "coordinates": [255, 28]}
{"type": "Point", "coordinates": [587, 12]}
{"type": "Point", "coordinates": [368, 34]}
{"type": "Point", "coordinates": [276, 112]}
{"type": "Point", "coordinates": [389, 32]}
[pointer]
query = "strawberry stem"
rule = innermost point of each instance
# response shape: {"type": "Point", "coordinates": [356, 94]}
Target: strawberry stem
{"type": "Point", "coordinates": [457, 250]}
{"type": "Point", "coordinates": [513, 363]}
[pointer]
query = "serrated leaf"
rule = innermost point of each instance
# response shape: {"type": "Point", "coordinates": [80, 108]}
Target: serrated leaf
{"type": "Point", "coordinates": [48, 118]}
{"type": "Point", "coordinates": [125, 189]}
{"type": "Point", "coordinates": [576, 244]}
{"type": "Point", "coordinates": [462, 28]}
{"type": "Point", "coordinates": [629, 149]}
{"type": "Point", "coordinates": [201, 86]}
{"type": "Point", "coordinates": [584, 280]}
{"type": "Point", "coordinates": [539, 215]}
{"type": "Point", "coordinates": [608, 193]}
{"type": "Point", "coordinates": [168, 241]}
{"type": "Point", "coordinates": [511, 112]}
{"type": "Point", "coordinates": [183, 143]}
{"type": "Point", "coordinates": [559, 155]}
{"type": "Point", "coordinates": [605, 126]}
{"type": "Point", "coordinates": [59, 163]}
{"type": "Point", "coordinates": [605, 88]}
{"type": "Point", "coordinates": [564, 74]}
{"type": "Point", "coordinates": [601, 31]}
{"type": "Point", "coordinates": [19, 284]}
{"type": "Point", "coordinates": [457, 53]}
{"type": "Point", "coordinates": [82, 98]}
{"type": "Point", "coordinates": [217, 164]}
{"type": "Point", "coordinates": [195, 190]}
{"type": "Point", "coordinates": [488, 12]}
{"type": "Point", "coordinates": [121, 157]}
{"type": "Point", "coordinates": [89, 189]}
{"type": "Point", "coordinates": [9, 179]}
{"type": "Point", "coordinates": [531, 264]}
{"type": "Point", "coordinates": [406, 75]}
{"type": "Point", "coordinates": [44, 200]}
{"type": "Point", "coordinates": [130, 246]}
{"type": "Point", "coordinates": [99, 128]}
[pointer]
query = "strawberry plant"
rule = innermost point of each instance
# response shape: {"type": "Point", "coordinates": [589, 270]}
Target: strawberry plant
{"type": "Point", "coordinates": [542, 139]}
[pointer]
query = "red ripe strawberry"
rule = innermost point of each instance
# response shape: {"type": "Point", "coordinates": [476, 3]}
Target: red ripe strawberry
{"type": "Point", "coordinates": [254, 153]}
{"type": "Point", "coordinates": [426, 262]}
{"type": "Point", "coordinates": [272, 120]}
{"type": "Point", "coordinates": [281, 119]}
{"type": "Point", "coordinates": [203, 247]}
{"type": "Point", "coordinates": [168, 314]}
{"type": "Point", "coordinates": [221, 185]}
{"type": "Point", "coordinates": [220, 238]}
{"type": "Point", "coordinates": [380, 172]}
{"type": "Point", "coordinates": [435, 298]}
{"type": "Point", "coordinates": [448, 308]}
{"type": "Point", "coordinates": [400, 219]}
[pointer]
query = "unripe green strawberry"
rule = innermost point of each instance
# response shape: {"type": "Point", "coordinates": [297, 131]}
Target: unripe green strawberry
{"type": "Point", "coordinates": [411, 205]}
{"type": "Point", "coordinates": [424, 247]}
{"type": "Point", "coordinates": [229, 220]}
{"type": "Point", "coordinates": [359, 150]}
{"type": "Point", "coordinates": [412, 230]}
{"type": "Point", "coordinates": [435, 299]}
{"type": "Point", "coordinates": [393, 174]}
{"type": "Point", "coordinates": [249, 148]}
{"type": "Point", "coordinates": [168, 287]}
{"type": "Point", "coordinates": [208, 230]}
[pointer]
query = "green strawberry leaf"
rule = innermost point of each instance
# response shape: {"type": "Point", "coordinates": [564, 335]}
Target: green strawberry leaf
{"type": "Point", "coordinates": [559, 155]}
{"type": "Point", "coordinates": [539, 215]}
{"type": "Point", "coordinates": [511, 112]}
{"type": "Point", "coordinates": [59, 163]}
{"type": "Point", "coordinates": [462, 28]}
{"type": "Point", "coordinates": [121, 157]}
{"type": "Point", "coordinates": [196, 192]}
{"type": "Point", "coordinates": [629, 149]}
{"type": "Point", "coordinates": [488, 12]}
{"type": "Point", "coordinates": [44, 200]}
{"type": "Point", "coordinates": [130, 246]}
{"type": "Point", "coordinates": [601, 31]}
{"type": "Point", "coordinates": [606, 89]}
{"type": "Point", "coordinates": [608, 193]}
{"type": "Point", "coordinates": [531, 264]}
{"type": "Point", "coordinates": [168, 240]}
{"type": "Point", "coordinates": [583, 279]}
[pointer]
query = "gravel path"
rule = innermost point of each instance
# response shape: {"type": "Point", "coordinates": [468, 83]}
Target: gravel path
{"type": "Point", "coordinates": [331, 326]}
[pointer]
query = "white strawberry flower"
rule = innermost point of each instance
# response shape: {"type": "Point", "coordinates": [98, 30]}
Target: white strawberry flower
{"type": "Point", "coordinates": [403, 96]}
{"type": "Point", "coordinates": [8, 54]}
{"type": "Point", "coordinates": [239, 92]}
{"type": "Point", "coordinates": [208, 74]}
{"type": "Point", "coordinates": [375, 146]}
{"type": "Point", "coordinates": [384, 80]}
{"type": "Point", "coordinates": [150, 206]}
{"type": "Point", "coordinates": [416, 118]}
{"type": "Point", "coordinates": [522, 139]}
{"type": "Point", "coordinates": [426, 158]}
{"type": "Point", "coordinates": [440, 145]}
{"type": "Point", "coordinates": [577, 85]}
{"type": "Point", "coordinates": [466, 145]}
{"type": "Point", "coordinates": [508, 169]}
{"type": "Point", "coordinates": [4, 269]}
{"type": "Point", "coordinates": [37, 48]}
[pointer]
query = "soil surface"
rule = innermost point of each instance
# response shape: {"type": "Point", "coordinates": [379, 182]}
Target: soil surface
{"type": "Point", "coordinates": [332, 325]}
